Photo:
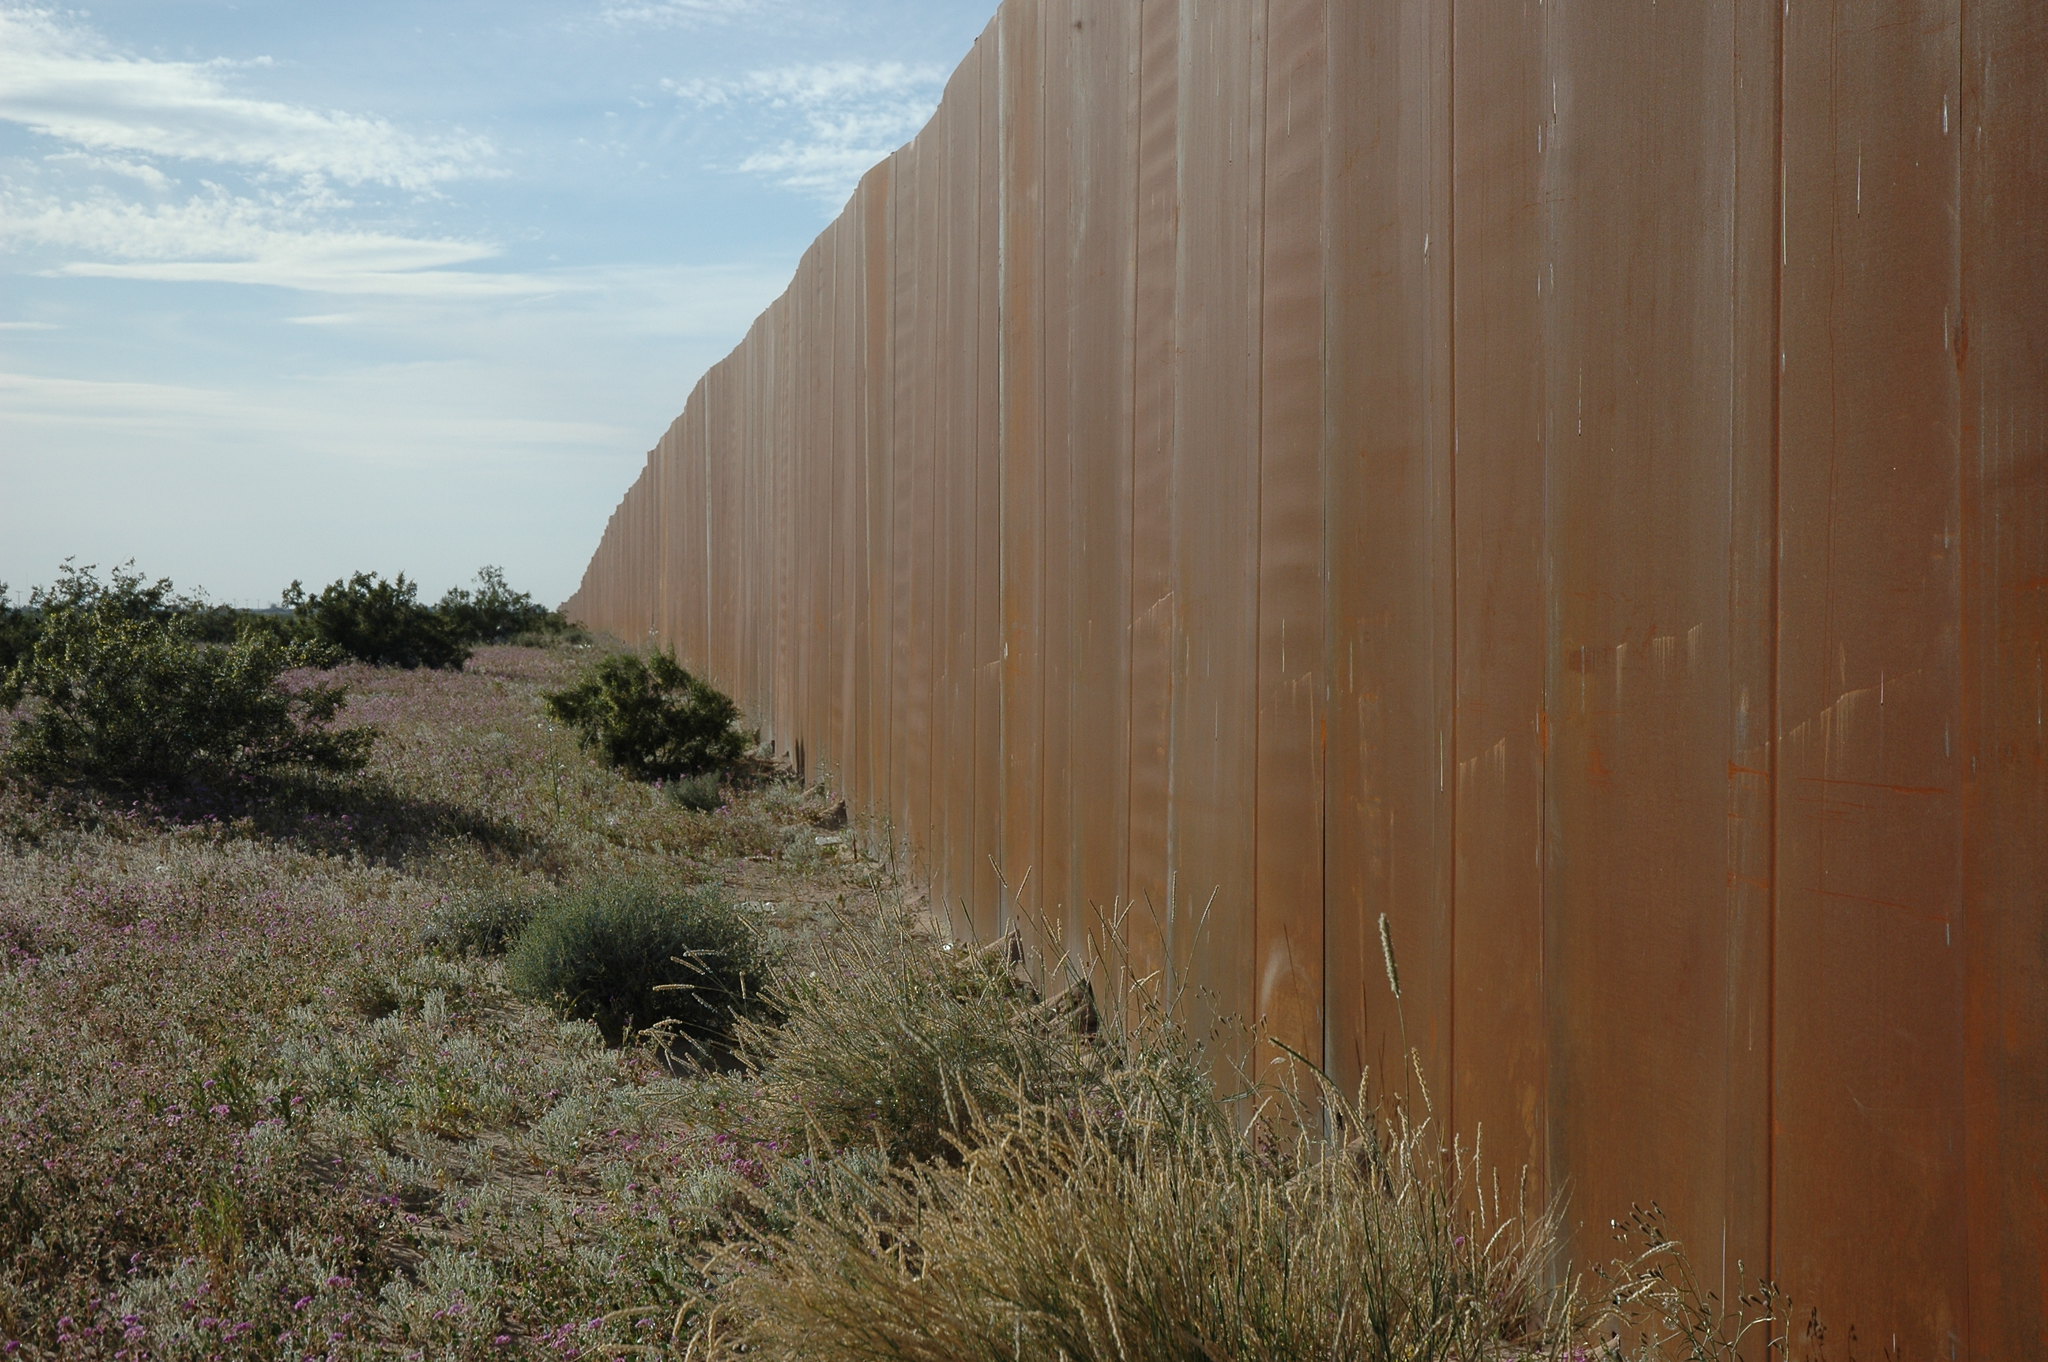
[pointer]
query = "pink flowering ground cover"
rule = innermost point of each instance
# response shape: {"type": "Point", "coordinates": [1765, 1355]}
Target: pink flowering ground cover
{"type": "Point", "coordinates": [245, 1111]}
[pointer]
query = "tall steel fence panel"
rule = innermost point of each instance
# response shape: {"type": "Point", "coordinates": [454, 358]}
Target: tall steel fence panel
{"type": "Point", "coordinates": [1560, 492]}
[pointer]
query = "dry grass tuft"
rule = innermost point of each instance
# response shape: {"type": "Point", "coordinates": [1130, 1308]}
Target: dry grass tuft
{"type": "Point", "coordinates": [1156, 1230]}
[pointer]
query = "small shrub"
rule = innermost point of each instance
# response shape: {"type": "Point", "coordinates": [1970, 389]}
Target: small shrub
{"type": "Point", "coordinates": [226, 623]}
{"type": "Point", "coordinates": [119, 693]}
{"type": "Point", "coordinates": [651, 718]}
{"type": "Point", "coordinates": [482, 924]}
{"type": "Point", "coordinates": [632, 955]}
{"type": "Point", "coordinates": [700, 794]}
{"type": "Point", "coordinates": [495, 613]}
{"type": "Point", "coordinates": [377, 621]}
{"type": "Point", "coordinates": [18, 630]}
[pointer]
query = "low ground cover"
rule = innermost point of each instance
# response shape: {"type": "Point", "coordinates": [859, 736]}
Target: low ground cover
{"type": "Point", "coordinates": [267, 1091]}
{"type": "Point", "coordinates": [249, 1106]}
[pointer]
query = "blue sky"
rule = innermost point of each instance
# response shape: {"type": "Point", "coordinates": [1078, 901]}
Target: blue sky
{"type": "Point", "coordinates": [290, 289]}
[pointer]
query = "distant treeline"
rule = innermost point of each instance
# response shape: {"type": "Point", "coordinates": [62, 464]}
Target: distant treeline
{"type": "Point", "coordinates": [365, 617]}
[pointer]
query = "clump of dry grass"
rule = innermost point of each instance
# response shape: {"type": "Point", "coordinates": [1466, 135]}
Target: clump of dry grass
{"type": "Point", "coordinates": [1157, 1229]}
{"type": "Point", "coordinates": [898, 1040]}
{"type": "Point", "coordinates": [1080, 1195]}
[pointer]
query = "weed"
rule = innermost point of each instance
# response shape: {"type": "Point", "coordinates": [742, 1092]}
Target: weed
{"type": "Point", "coordinates": [901, 1042]}
{"type": "Point", "coordinates": [701, 793]}
{"type": "Point", "coordinates": [479, 923]}
{"type": "Point", "coordinates": [631, 955]}
{"type": "Point", "coordinates": [1163, 1236]}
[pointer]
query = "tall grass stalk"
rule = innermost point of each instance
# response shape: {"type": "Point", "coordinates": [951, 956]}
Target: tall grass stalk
{"type": "Point", "coordinates": [1157, 1231]}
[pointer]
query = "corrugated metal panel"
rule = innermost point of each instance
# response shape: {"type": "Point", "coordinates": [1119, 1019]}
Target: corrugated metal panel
{"type": "Point", "coordinates": [1290, 685]}
{"type": "Point", "coordinates": [1646, 967]}
{"type": "Point", "coordinates": [1212, 792]}
{"type": "Point", "coordinates": [1492, 757]}
{"type": "Point", "coordinates": [2001, 344]}
{"type": "Point", "coordinates": [1023, 414]}
{"type": "Point", "coordinates": [1571, 480]}
{"type": "Point", "coordinates": [1388, 545]}
{"type": "Point", "coordinates": [1059, 297]}
{"type": "Point", "coordinates": [959, 129]}
{"type": "Point", "coordinates": [986, 895]}
{"type": "Point", "coordinates": [1155, 372]}
{"type": "Point", "coordinates": [1870, 769]}
{"type": "Point", "coordinates": [1102, 93]}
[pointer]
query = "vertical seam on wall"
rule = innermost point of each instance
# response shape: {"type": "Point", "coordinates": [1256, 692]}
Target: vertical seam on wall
{"type": "Point", "coordinates": [1004, 914]}
{"type": "Point", "coordinates": [1547, 309]}
{"type": "Point", "coordinates": [1969, 714]}
{"type": "Point", "coordinates": [1134, 109]}
{"type": "Point", "coordinates": [1777, 621]}
{"type": "Point", "coordinates": [1255, 262]}
{"type": "Point", "coordinates": [1449, 791]}
{"type": "Point", "coordinates": [1037, 632]}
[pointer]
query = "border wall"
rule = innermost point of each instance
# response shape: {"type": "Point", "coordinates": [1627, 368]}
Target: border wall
{"type": "Point", "coordinates": [1571, 477]}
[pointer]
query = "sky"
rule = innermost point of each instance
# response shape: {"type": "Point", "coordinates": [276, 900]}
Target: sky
{"type": "Point", "coordinates": [291, 290]}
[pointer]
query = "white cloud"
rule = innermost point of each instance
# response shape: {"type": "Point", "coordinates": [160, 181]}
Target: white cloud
{"type": "Point", "coordinates": [77, 401]}
{"type": "Point", "coordinates": [366, 416]}
{"type": "Point", "coordinates": [685, 13]}
{"type": "Point", "coordinates": [282, 240]}
{"type": "Point", "coordinates": [27, 326]}
{"type": "Point", "coordinates": [831, 121]}
{"type": "Point", "coordinates": [64, 82]}
{"type": "Point", "coordinates": [112, 165]}
{"type": "Point", "coordinates": [819, 85]}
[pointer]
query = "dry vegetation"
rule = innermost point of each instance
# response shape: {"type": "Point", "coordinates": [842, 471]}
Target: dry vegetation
{"type": "Point", "coordinates": [264, 1092]}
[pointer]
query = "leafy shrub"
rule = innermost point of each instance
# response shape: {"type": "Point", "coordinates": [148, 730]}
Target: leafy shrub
{"type": "Point", "coordinates": [210, 623]}
{"type": "Point", "coordinates": [495, 613]}
{"type": "Point", "coordinates": [632, 955]}
{"type": "Point", "coordinates": [481, 924]}
{"type": "Point", "coordinates": [377, 621]}
{"type": "Point", "coordinates": [651, 718]}
{"type": "Point", "coordinates": [18, 630]}
{"type": "Point", "coordinates": [119, 692]}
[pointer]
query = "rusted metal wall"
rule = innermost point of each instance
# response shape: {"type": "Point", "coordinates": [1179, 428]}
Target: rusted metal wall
{"type": "Point", "coordinates": [1569, 477]}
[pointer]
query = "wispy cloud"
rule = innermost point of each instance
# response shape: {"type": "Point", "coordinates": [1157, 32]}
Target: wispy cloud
{"type": "Point", "coordinates": [283, 239]}
{"type": "Point", "coordinates": [686, 13]}
{"type": "Point", "coordinates": [40, 398]}
{"type": "Point", "coordinates": [824, 123]}
{"type": "Point", "coordinates": [64, 82]}
{"type": "Point", "coordinates": [140, 171]}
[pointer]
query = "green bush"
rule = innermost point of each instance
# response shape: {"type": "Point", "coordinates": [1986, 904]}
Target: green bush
{"type": "Point", "coordinates": [118, 691]}
{"type": "Point", "coordinates": [18, 630]}
{"type": "Point", "coordinates": [480, 924]}
{"type": "Point", "coordinates": [632, 955]}
{"type": "Point", "coordinates": [377, 621]}
{"type": "Point", "coordinates": [225, 623]}
{"type": "Point", "coordinates": [495, 613]}
{"type": "Point", "coordinates": [651, 718]}
{"type": "Point", "coordinates": [699, 794]}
